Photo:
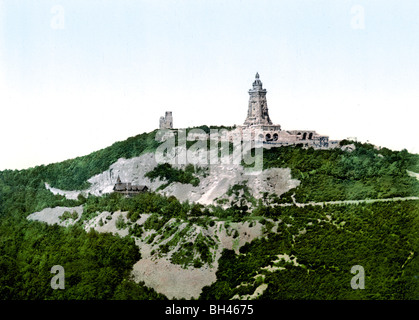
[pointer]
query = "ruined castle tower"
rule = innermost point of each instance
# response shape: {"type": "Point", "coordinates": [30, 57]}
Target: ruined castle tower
{"type": "Point", "coordinates": [166, 122]}
{"type": "Point", "coordinates": [257, 113]}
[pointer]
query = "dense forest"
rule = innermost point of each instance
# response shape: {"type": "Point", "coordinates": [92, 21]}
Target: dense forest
{"type": "Point", "coordinates": [97, 265]}
{"type": "Point", "coordinates": [365, 173]}
{"type": "Point", "coordinates": [326, 241]}
{"type": "Point", "coordinates": [382, 237]}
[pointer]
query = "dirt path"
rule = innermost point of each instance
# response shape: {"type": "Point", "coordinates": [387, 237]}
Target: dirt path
{"type": "Point", "coordinates": [345, 201]}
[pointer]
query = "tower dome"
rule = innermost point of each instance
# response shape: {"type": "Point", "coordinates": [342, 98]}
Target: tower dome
{"type": "Point", "coordinates": [257, 84]}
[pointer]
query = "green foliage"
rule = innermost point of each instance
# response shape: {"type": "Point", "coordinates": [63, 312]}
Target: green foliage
{"type": "Point", "coordinates": [345, 142]}
{"type": "Point", "coordinates": [135, 231]}
{"type": "Point", "coordinates": [165, 171]}
{"type": "Point", "coordinates": [129, 290]}
{"type": "Point", "coordinates": [203, 245]}
{"type": "Point", "coordinates": [95, 264]}
{"type": "Point", "coordinates": [380, 237]}
{"type": "Point", "coordinates": [189, 253]}
{"type": "Point", "coordinates": [73, 174]}
{"type": "Point", "coordinates": [207, 129]}
{"type": "Point", "coordinates": [143, 203]}
{"type": "Point", "coordinates": [110, 202]}
{"type": "Point", "coordinates": [184, 256]}
{"type": "Point", "coordinates": [328, 175]}
{"type": "Point", "coordinates": [68, 215]}
{"type": "Point", "coordinates": [235, 189]}
{"type": "Point", "coordinates": [19, 196]}
{"type": "Point", "coordinates": [155, 222]}
{"type": "Point", "coordinates": [120, 223]}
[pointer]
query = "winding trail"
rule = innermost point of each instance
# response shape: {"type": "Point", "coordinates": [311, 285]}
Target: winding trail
{"type": "Point", "coordinates": [294, 203]}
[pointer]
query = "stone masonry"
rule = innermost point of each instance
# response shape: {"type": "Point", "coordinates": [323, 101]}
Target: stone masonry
{"type": "Point", "coordinates": [258, 120]}
{"type": "Point", "coordinates": [166, 122]}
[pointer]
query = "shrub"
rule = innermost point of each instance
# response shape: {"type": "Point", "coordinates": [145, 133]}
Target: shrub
{"type": "Point", "coordinates": [67, 215]}
{"type": "Point", "coordinates": [120, 222]}
{"type": "Point", "coordinates": [166, 172]}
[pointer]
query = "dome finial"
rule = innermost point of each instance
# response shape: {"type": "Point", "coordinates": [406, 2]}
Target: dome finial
{"type": "Point", "coordinates": [257, 84]}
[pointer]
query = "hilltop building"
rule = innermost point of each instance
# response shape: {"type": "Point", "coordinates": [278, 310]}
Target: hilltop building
{"type": "Point", "coordinates": [258, 119]}
{"type": "Point", "coordinates": [128, 189]}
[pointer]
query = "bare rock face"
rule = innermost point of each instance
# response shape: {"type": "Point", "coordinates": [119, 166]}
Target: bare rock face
{"type": "Point", "coordinates": [218, 180]}
{"type": "Point", "coordinates": [177, 282]}
{"type": "Point", "coordinates": [273, 180]}
{"type": "Point", "coordinates": [131, 170]}
{"type": "Point", "coordinates": [222, 178]}
{"type": "Point", "coordinates": [71, 195]}
{"type": "Point", "coordinates": [349, 147]}
{"type": "Point", "coordinates": [52, 215]}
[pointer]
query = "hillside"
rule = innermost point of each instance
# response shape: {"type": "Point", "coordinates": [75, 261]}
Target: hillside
{"type": "Point", "coordinates": [292, 231]}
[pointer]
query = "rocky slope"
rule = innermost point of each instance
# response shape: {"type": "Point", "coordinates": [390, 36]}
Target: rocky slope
{"type": "Point", "coordinates": [218, 180]}
{"type": "Point", "coordinates": [155, 268]}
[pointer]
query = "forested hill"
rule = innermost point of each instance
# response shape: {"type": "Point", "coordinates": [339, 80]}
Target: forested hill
{"type": "Point", "coordinates": [325, 175]}
{"type": "Point", "coordinates": [324, 240]}
{"type": "Point", "coordinates": [364, 173]}
{"type": "Point", "coordinates": [73, 174]}
{"type": "Point", "coordinates": [99, 263]}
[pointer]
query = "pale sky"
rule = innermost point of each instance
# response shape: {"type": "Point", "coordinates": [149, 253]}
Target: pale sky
{"type": "Point", "coordinates": [78, 75]}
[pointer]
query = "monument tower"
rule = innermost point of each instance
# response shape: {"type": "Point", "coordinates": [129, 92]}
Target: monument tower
{"type": "Point", "coordinates": [257, 113]}
{"type": "Point", "coordinates": [258, 121]}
